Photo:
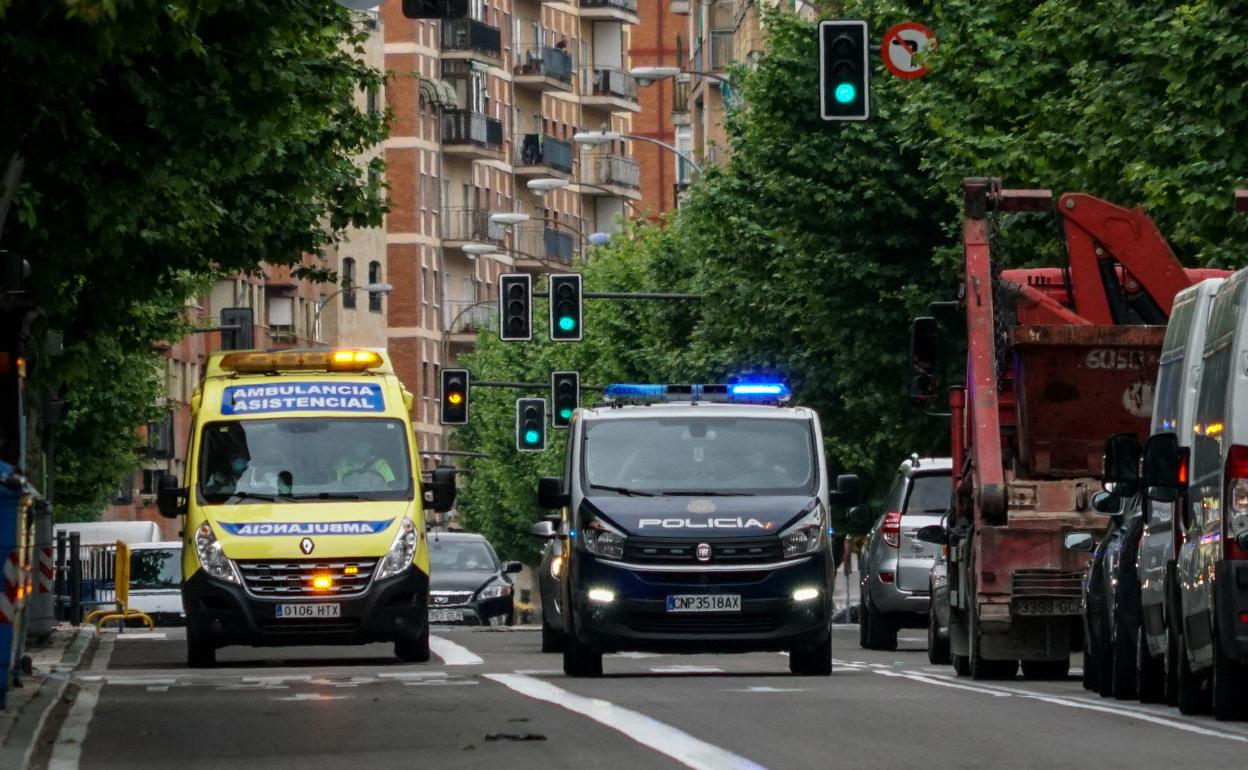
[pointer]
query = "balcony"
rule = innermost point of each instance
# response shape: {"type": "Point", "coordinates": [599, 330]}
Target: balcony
{"type": "Point", "coordinates": [471, 135]}
{"type": "Point", "coordinates": [680, 101]}
{"type": "Point", "coordinates": [469, 225]}
{"type": "Point", "coordinates": [549, 241]}
{"type": "Point", "coordinates": [541, 155]}
{"type": "Point", "coordinates": [544, 69]}
{"type": "Point", "coordinates": [721, 49]}
{"type": "Point", "coordinates": [617, 175]}
{"type": "Point", "coordinates": [462, 319]}
{"type": "Point", "coordinates": [471, 39]}
{"type": "Point", "coordinates": [623, 11]}
{"type": "Point", "coordinates": [608, 88]}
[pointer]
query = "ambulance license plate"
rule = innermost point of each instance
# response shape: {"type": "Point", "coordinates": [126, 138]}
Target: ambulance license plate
{"type": "Point", "coordinates": [318, 610]}
{"type": "Point", "coordinates": [446, 616]}
{"type": "Point", "coordinates": [704, 603]}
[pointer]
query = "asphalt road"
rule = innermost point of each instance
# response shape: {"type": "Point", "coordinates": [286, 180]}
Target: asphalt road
{"type": "Point", "coordinates": [490, 699]}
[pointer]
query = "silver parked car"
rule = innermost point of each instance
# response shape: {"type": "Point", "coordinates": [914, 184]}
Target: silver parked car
{"type": "Point", "coordinates": [895, 565]}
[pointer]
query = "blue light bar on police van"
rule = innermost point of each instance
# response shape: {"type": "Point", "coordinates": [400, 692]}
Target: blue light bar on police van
{"type": "Point", "coordinates": [742, 392]}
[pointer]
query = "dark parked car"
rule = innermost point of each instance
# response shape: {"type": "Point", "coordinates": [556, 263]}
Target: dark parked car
{"type": "Point", "coordinates": [467, 583]}
{"type": "Point", "coordinates": [548, 586]}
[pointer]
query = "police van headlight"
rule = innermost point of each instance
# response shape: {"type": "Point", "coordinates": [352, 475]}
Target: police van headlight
{"type": "Point", "coordinates": [603, 540]}
{"type": "Point", "coordinates": [212, 557]}
{"type": "Point", "coordinates": [399, 557]}
{"type": "Point", "coordinates": [804, 537]}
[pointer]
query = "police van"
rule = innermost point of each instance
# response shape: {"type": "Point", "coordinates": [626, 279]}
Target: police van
{"type": "Point", "coordinates": [304, 506]}
{"type": "Point", "coordinates": [694, 519]}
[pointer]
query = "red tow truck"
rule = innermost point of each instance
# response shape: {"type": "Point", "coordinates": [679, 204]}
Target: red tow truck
{"type": "Point", "coordinates": [1058, 359]}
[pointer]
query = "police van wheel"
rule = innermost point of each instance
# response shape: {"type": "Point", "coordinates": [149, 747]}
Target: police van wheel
{"type": "Point", "coordinates": [200, 653]}
{"type": "Point", "coordinates": [413, 650]}
{"type": "Point", "coordinates": [812, 661]}
{"type": "Point", "coordinates": [579, 660]}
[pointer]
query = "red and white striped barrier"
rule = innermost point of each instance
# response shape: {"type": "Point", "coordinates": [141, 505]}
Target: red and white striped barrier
{"type": "Point", "coordinates": [47, 569]}
{"type": "Point", "coordinates": [10, 599]}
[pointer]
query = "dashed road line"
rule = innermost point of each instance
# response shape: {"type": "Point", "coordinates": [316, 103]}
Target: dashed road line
{"type": "Point", "coordinates": [453, 654]}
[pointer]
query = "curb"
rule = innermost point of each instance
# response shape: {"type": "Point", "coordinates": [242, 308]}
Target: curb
{"type": "Point", "coordinates": [32, 723]}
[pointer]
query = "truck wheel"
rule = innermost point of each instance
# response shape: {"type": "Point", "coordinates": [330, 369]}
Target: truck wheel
{"type": "Point", "coordinates": [1193, 697]}
{"type": "Point", "coordinates": [413, 650]}
{"type": "Point", "coordinates": [812, 661]}
{"type": "Point", "coordinates": [1122, 668]}
{"type": "Point", "coordinates": [881, 633]}
{"type": "Point", "coordinates": [987, 669]}
{"type": "Point", "coordinates": [937, 648]}
{"type": "Point", "coordinates": [1090, 676]}
{"type": "Point", "coordinates": [1050, 670]}
{"type": "Point", "coordinates": [1227, 685]}
{"type": "Point", "coordinates": [1171, 663]}
{"type": "Point", "coordinates": [552, 640]}
{"type": "Point", "coordinates": [200, 652]}
{"type": "Point", "coordinates": [1150, 673]}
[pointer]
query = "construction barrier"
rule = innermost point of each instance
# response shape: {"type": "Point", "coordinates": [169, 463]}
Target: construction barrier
{"type": "Point", "coordinates": [121, 610]}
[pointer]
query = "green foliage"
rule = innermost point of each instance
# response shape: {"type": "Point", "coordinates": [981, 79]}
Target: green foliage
{"type": "Point", "coordinates": [166, 141]}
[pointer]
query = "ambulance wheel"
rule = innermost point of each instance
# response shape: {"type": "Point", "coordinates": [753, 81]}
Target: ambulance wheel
{"type": "Point", "coordinates": [200, 652]}
{"type": "Point", "coordinates": [413, 650]}
{"type": "Point", "coordinates": [812, 661]}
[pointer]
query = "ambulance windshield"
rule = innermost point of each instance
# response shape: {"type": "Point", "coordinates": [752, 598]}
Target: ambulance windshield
{"type": "Point", "coordinates": [303, 459]}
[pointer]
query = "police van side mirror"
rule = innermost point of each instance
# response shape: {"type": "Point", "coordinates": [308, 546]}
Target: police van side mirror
{"type": "Point", "coordinates": [170, 498]}
{"type": "Point", "coordinates": [543, 529]}
{"type": "Point", "coordinates": [1121, 469]}
{"type": "Point", "coordinates": [550, 494]}
{"type": "Point", "coordinates": [1165, 468]}
{"type": "Point", "coordinates": [848, 490]}
{"type": "Point", "coordinates": [440, 491]}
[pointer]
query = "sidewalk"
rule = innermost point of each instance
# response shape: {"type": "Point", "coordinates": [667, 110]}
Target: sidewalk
{"type": "Point", "coordinates": [28, 707]}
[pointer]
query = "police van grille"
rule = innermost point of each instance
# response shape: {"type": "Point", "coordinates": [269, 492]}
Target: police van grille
{"type": "Point", "coordinates": [703, 624]}
{"type": "Point", "coordinates": [655, 550]}
{"type": "Point", "coordinates": [294, 577]}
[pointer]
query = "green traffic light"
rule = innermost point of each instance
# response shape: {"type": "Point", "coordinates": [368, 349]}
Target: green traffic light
{"type": "Point", "coordinates": [532, 437]}
{"type": "Point", "coordinates": [845, 93]}
{"type": "Point", "coordinates": [567, 323]}
{"type": "Point", "coordinates": [565, 414]}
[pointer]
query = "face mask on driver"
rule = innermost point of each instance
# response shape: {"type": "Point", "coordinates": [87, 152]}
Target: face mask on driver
{"type": "Point", "coordinates": [239, 464]}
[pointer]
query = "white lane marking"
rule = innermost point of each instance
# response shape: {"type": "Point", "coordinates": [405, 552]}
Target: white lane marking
{"type": "Point", "coordinates": [160, 688]}
{"type": "Point", "coordinates": [278, 679]}
{"type": "Point", "coordinates": [539, 671]}
{"type": "Point", "coordinates": [67, 751]}
{"type": "Point", "coordinates": [441, 683]}
{"type": "Point", "coordinates": [453, 654]}
{"type": "Point", "coordinates": [679, 669]}
{"type": "Point", "coordinates": [663, 738]}
{"type": "Point", "coordinates": [412, 674]}
{"type": "Point", "coordinates": [768, 689]}
{"type": "Point", "coordinates": [313, 696]}
{"type": "Point", "coordinates": [140, 637]}
{"type": "Point", "coordinates": [634, 655]}
{"type": "Point", "coordinates": [917, 677]}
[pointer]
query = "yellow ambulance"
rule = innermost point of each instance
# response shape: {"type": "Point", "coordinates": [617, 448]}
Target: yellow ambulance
{"type": "Point", "coordinates": [304, 505]}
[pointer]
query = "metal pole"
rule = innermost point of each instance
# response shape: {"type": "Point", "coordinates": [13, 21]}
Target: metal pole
{"type": "Point", "coordinates": [59, 586]}
{"type": "Point", "coordinates": [655, 295]}
{"type": "Point", "coordinates": [75, 578]}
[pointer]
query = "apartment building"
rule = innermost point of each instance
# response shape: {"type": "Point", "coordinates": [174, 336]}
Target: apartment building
{"type": "Point", "coordinates": [482, 107]}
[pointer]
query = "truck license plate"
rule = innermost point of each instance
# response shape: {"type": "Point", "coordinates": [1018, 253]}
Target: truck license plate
{"type": "Point", "coordinates": [319, 610]}
{"type": "Point", "coordinates": [704, 603]}
{"type": "Point", "coordinates": [445, 616]}
{"type": "Point", "coordinates": [1047, 606]}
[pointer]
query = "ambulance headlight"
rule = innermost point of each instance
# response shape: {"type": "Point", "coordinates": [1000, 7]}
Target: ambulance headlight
{"type": "Point", "coordinates": [603, 540]}
{"type": "Point", "coordinates": [805, 536]}
{"type": "Point", "coordinates": [399, 557]}
{"type": "Point", "coordinates": [211, 556]}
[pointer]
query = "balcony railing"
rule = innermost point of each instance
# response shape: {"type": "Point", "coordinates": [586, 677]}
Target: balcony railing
{"type": "Point", "coordinates": [471, 35]}
{"type": "Point", "coordinates": [464, 127]}
{"type": "Point", "coordinates": [629, 6]}
{"type": "Point", "coordinates": [547, 240]}
{"type": "Point", "coordinates": [467, 316]}
{"type": "Point", "coordinates": [618, 170]}
{"type": "Point", "coordinates": [470, 225]}
{"type": "Point", "coordinates": [558, 245]}
{"type": "Point", "coordinates": [544, 150]}
{"type": "Point", "coordinates": [721, 49]}
{"type": "Point", "coordinates": [547, 61]}
{"type": "Point", "coordinates": [680, 95]}
{"type": "Point", "coordinates": [609, 81]}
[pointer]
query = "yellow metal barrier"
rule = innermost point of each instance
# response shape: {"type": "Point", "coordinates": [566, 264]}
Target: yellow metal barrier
{"type": "Point", "coordinates": [121, 583]}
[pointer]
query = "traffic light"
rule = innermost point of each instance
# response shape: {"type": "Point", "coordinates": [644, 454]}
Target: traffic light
{"type": "Point", "coordinates": [434, 9]}
{"type": "Point", "coordinates": [515, 306]}
{"type": "Point", "coordinates": [238, 328]}
{"type": "Point", "coordinates": [565, 396]}
{"type": "Point", "coordinates": [565, 307]}
{"type": "Point", "coordinates": [454, 395]}
{"type": "Point", "coordinates": [530, 424]}
{"type": "Point", "coordinates": [844, 80]}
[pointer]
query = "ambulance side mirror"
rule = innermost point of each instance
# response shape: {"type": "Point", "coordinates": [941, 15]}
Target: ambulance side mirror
{"type": "Point", "coordinates": [440, 491]}
{"type": "Point", "coordinates": [170, 498]}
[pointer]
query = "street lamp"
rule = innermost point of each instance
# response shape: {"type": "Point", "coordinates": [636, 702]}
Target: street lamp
{"type": "Point", "coordinates": [371, 288]}
{"type": "Point", "coordinates": [598, 138]}
{"type": "Point", "coordinates": [478, 249]}
{"type": "Point", "coordinates": [512, 218]}
{"type": "Point", "coordinates": [543, 186]}
{"type": "Point", "coordinates": [647, 75]}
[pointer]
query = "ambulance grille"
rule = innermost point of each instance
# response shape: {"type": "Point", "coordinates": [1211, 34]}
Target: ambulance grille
{"type": "Point", "coordinates": [294, 577]}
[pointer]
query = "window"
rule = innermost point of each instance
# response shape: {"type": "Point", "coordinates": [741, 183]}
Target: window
{"type": "Point", "coordinates": [151, 480]}
{"type": "Point", "coordinates": [374, 276]}
{"type": "Point", "coordinates": [374, 101]}
{"type": "Point", "coordinates": [348, 283]}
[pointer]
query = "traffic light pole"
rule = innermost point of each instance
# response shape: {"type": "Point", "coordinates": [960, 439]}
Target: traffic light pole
{"type": "Point", "coordinates": [651, 295]}
{"type": "Point", "coordinates": [526, 385]}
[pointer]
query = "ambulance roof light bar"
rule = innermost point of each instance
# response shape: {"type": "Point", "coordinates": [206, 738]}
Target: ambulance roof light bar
{"type": "Point", "coordinates": [346, 360]}
{"type": "Point", "coordinates": [741, 392]}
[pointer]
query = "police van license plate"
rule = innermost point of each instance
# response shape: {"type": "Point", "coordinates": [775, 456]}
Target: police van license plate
{"type": "Point", "coordinates": [318, 610]}
{"type": "Point", "coordinates": [704, 603]}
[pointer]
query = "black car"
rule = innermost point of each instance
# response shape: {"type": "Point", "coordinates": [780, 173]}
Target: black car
{"type": "Point", "coordinates": [548, 586]}
{"type": "Point", "coordinates": [1111, 600]}
{"type": "Point", "coordinates": [467, 582]}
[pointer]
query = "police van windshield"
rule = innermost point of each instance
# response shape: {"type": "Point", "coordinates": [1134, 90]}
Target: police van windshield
{"type": "Point", "coordinates": [704, 456]}
{"type": "Point", "coordinates": [328, 458]}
